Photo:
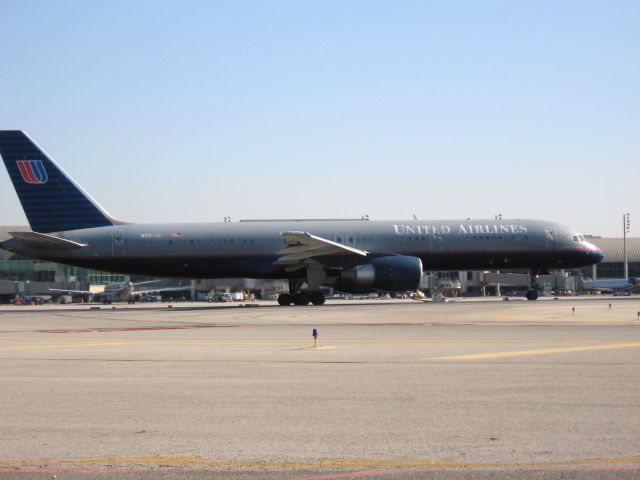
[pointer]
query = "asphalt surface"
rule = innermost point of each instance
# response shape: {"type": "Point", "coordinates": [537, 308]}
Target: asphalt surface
{"type": "Point", "coordinates": [396, 390]}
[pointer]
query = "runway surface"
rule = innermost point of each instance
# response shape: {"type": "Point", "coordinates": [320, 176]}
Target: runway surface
{"type": "Point", "coordinates": [395, 390]}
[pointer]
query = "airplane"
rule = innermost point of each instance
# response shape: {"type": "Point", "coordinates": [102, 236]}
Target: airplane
{"type": "Point", "coordinates": [123, 291]}
{"type": "Point", "coordinates": [352, 256]}
{"type": "Point", "coordinates": [611, 284]}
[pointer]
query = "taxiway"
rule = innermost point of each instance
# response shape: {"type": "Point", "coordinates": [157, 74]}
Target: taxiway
{"type": "Point", "coordinates": [393, 390]}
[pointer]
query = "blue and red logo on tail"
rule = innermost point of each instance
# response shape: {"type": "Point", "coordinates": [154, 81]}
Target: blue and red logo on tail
{"type": "Point", "coordinates": [32, 171]}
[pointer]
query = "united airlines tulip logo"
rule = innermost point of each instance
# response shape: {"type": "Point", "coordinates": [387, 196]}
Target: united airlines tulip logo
{"type": "Point", "coordinates": [33, 171]}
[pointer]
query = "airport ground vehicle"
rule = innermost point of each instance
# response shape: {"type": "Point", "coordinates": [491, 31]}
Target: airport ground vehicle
{"type": "Point", "coordinates": [223, 297]}
{"type": "Point", "coordinates": [151, 298]}
{"type": "Point", "coordinates": [29, 300]}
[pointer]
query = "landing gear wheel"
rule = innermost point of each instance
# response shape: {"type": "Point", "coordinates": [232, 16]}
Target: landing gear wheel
{"type": "Point", "coordinates": [285, 299]}
{"type": "Point", "coordinates": [532, 295]}
{"type": "Point", "coordinates": [317, 298]}
{"type": "Point", "coordinates": [301, 298]}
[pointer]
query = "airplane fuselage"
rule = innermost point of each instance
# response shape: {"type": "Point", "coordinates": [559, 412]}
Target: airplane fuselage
{"type": "Point", "coordinates": [249, 249]}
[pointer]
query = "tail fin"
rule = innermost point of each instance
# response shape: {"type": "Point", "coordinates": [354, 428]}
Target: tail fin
{"type": "Point", "coordinates": [51, 200]}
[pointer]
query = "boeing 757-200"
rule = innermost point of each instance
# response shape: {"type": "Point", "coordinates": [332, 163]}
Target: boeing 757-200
{"type": "Point", "coordinates": [68, 226]}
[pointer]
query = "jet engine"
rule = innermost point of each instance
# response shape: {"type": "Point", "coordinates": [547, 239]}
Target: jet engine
{"type": "Point", "coordinates": [397, 273]}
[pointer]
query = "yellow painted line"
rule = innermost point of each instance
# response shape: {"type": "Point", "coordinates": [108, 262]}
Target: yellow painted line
{"type": "Point", "coordinates": [542, 351]}
{"type": "Point", "coordinates": [329, 463]}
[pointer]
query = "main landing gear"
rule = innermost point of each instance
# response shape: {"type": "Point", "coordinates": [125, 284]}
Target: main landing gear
{"type": "Point", "coordinates": [301, 298]}
{"type": "Point", "coordinates": [298, 297]}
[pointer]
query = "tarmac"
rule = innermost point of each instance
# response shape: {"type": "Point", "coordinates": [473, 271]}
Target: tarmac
{"type": "Point", "coordinates": [393, 389]}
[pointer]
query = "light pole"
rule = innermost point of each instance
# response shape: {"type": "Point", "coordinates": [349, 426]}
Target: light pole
{"type": "Point", "coordinates": [626, 227]}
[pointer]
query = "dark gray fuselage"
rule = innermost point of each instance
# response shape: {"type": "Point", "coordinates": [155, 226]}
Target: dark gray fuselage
{"type": "Point", "coordinates": [249, 249]}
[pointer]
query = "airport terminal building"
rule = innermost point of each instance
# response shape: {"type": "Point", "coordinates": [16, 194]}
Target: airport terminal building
{"type": "Point", "coordinates": [19, 275]}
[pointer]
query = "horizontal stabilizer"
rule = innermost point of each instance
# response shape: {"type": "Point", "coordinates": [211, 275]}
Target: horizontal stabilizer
{"type": "Point", "coordinates": [42, 240]}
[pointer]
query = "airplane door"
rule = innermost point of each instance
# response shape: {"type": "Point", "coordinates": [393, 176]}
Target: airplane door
{"type": "Point", "coordinates": [117, 243]}
{"type": "Point", "coordinates": [437, 242]}
{"type": "Point", "coordinates": [551, 237]}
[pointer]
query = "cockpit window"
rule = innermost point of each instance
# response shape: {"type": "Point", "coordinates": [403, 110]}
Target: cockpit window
{"type": "Point", "coordinates": [578, 238]}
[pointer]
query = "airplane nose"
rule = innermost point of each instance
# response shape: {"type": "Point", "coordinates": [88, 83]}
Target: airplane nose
{"type": "Point", "coordinates": [596, 254]}
{"type": "Point", "coordinates": [599, 256]}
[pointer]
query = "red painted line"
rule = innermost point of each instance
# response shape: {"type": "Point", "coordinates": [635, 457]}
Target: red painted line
{"type": "Point", "coordinates": [72, 470]}
{"type": "Point", "coordinates": [418, 252]}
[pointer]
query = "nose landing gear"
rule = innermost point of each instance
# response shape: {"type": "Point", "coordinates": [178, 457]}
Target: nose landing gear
{"type": "Point", "coordinates": [532, 293]}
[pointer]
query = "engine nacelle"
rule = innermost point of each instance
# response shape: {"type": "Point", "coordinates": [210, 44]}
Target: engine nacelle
{"type": "Point", "coordinates": [397, 273]}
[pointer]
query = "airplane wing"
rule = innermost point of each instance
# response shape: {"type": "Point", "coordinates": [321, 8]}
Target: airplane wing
{"type": "Point", "coordinates": [135, 284]}
{"type": "Point", "coordinates": [69, 292]}
{"type": "Point", "coordinates": [93, 290]}
{"type": "Point", "coordinates": [162, 289]}
{"type": "Point", "coordinates": [302, 247]}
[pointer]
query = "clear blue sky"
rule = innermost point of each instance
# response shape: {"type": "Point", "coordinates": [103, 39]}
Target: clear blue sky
{"type": "Point", "coordinates": [190, 111]}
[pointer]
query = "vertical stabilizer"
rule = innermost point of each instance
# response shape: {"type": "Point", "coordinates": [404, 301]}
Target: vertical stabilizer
{"type": "Point", "coordinates": [51, 200]}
